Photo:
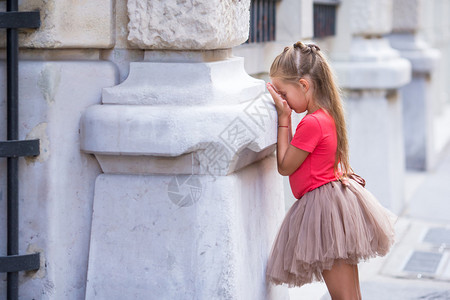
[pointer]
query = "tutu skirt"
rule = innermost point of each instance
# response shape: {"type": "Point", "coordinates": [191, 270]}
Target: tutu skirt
{"type": "Point", "coordinates": [334, 221]}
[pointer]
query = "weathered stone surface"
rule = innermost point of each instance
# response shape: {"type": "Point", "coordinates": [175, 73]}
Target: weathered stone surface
{"type": "Point", "coordinates": [56, 187]}
{"type": "Point", "coordinates": [369, 17]}
{"type": "Point", "coordinates": [68, 24]}
{"type": "Point", "coordinates": [222, 139]}
{"type": "Point", "coordinates": [121, 25]}
{"type": "Point", "coordinates": [178, 83]}
{"type": "Point", "coordinates": [185, 236]}
{"type": "Point", "coordinates": [212, 111]}
{"type": "Point", "coordinates": [407, 15]}
{"type": "Point", "coordinates": [190, 25]}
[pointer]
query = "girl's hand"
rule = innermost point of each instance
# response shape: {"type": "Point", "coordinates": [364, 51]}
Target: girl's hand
{"type": "Point", "coordinates": [283, 109]}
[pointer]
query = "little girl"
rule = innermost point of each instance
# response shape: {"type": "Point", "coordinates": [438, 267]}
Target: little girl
{"type": "Point", "coordinates": [335, 222]}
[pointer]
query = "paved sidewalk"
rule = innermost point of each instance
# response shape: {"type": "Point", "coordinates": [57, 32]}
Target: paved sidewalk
{"type": "Point", "coordinates": [418, 267]}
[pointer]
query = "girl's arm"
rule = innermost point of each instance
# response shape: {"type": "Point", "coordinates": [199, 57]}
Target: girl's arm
{"type": "Point", "coordinates": [289, 158]}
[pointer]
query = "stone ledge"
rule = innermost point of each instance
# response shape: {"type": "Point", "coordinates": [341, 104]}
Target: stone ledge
{"type": "Point", "coordinates": [161, 130]}
{"type": "Point", "coordinates": [221, 139]}
{"type": "Point", "coordinates": [390, 74]}
{"type": "Point", "coordinates": [180, 83]}
{"type": "Point", "coordinates": [423, 58]}
{"type": "Point", "coordinates": [372, 64]}
{"type": "Point", "coordinates": [422, 61]}
{"type": "Point", "coordinates": [198, 163]}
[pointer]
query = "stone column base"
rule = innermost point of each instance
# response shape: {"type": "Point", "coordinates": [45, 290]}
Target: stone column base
{"type": "Point", "coordinates": [185, 236]}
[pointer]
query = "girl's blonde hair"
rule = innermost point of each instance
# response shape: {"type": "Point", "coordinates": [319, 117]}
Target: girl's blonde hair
{"type": "Point", "coordinates": [302, 60]}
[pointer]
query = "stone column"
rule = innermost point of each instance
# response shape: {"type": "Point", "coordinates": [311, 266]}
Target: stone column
{"type": "Point", "coordinates": [435, 30]}
{"type": "Point", "coordinates": [371, 73]}
{"type": "Point", "coordinates": [189, 200]}
{"type": "Point", "coordinates": [417, 96]}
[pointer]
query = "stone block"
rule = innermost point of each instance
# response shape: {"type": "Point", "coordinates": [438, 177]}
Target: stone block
{"type": "Point", "coordinates": [372, 64]}
{"type": "Point", "coordinates": [371, 17]}
{"type": "Point", "coordinates": [294, 20]}
{"type": "Point", "coordinates": [407, 15]}
{"type": "Point", "coordinates": [185, 236]}
{"type": "Point", "coordinates": [373, 75]}
{"type": "Point", "coordinates": [220, 139]}
{"type": "Point", "coordinates": [68, 24]}
{"type": "Point", "coordinates": [182, 83]}
{"type": "Point", "coordinates": [188, 25]}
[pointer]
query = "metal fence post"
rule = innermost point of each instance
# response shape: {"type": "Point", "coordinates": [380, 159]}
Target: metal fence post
{"type": "Point", "coordinates": [13, 148]}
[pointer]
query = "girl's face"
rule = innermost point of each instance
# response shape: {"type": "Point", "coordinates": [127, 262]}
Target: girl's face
{"type": "Point", "coordinates": [295, 93]}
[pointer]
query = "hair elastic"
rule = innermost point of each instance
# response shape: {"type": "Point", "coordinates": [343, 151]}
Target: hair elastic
{"type": "Point", "coordinates": [313, 47]}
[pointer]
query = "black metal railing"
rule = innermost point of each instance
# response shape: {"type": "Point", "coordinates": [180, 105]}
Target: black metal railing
{"type": "Point", "coordinates": [14, 148]}
{"type": "Point", "coordinates": [325, 17]}
{"type": "Point", "coordinates": [262, 21]}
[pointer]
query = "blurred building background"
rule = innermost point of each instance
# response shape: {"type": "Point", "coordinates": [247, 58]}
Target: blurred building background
{"type": "Point", "coordinates": [391, 61]}
{"type": "Point", "coordinates": [156, 177]}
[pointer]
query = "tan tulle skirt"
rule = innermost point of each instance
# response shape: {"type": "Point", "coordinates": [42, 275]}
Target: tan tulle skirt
{"type": "Point", "coordinates": [334, 221]}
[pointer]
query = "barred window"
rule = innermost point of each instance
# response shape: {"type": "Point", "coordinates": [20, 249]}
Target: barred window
{"type": "Point", "coordinates": [262, 21]}
{"type": "Point", "coordinates": [325, 17]}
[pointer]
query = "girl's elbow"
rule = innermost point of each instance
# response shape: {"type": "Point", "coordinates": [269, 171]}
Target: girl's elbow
{"type": "Point", "coordinates": [283, 171]}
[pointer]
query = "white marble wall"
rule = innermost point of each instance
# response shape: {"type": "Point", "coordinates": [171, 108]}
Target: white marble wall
{"type": "Point", "coordinates": [57, 187]}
